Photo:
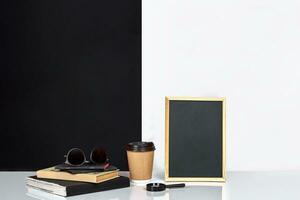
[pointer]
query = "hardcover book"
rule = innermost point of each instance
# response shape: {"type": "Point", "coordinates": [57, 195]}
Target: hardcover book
{"type": "Point", "coordinates": [91, 177]}
{"type": "Point", "coordinates": [71, 188]}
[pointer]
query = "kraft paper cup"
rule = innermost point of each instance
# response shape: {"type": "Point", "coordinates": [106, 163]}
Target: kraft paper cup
{"type": "Point", "coordinates": [140, 161]}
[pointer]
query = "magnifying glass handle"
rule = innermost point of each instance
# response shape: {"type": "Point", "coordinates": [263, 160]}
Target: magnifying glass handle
{"type": "Point", "coordinates": [179, 185]}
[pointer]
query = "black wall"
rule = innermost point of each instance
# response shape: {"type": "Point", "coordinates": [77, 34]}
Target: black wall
{"type": "Point", "coordinates": [70, 76]}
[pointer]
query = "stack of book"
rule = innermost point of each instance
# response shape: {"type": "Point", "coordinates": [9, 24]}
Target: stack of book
{"type": "Point", "coordinates": [65, 183]}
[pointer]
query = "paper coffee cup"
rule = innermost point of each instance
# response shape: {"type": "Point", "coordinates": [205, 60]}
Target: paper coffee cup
{"type": "Point", "coordinates": [140, 160]}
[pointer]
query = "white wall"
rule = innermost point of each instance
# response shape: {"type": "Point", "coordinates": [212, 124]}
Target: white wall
{"type": "Point", "coordinates": [247, 51]}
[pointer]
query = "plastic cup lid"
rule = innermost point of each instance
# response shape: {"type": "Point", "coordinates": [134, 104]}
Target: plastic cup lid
{"type": "Point", "coordinates": [140, 146]}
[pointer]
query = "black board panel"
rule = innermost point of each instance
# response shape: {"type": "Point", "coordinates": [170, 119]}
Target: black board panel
{"type": "Point", "coordinates": [70, 76]}
{"type": "Point", "coordinates": [195, 138]}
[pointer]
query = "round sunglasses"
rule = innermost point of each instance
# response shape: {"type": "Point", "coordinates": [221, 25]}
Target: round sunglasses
{"type": "Point", "coordinates": [76, 157]}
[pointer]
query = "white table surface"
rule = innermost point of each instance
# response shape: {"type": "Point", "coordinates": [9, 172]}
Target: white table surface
{"type": "Point", "coordinates": [239, 186]}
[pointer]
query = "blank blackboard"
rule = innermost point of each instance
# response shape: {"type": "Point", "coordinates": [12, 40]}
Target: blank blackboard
{"type": "Point", "coordinates": [195, 139]}
{"type": "Point", "coordinates": [70, 76]}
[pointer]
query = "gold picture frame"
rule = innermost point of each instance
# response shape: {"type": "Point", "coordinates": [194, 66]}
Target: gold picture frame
{"type": "Point", "coordinates": [196, 179]}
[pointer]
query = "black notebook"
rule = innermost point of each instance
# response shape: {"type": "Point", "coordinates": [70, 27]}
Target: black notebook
{"type": "Point", "coordinates": [85, 168]}
{"type": "Point", "coordinates": [71, 188]}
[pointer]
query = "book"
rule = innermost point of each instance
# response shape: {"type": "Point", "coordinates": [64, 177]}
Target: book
{"type": "Point", "coordinates": [91, 177]}
{"type": "Point", "coordinates": [71, 188]}
{"type": "Point", "coordinates": [42, 195]}
{"type": "Point", "coordinates": [86, 166]}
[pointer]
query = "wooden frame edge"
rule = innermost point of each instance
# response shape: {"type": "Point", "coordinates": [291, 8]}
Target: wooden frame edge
{"type": "Point", "coordinates": [224, 138]}
{"type": "Point", "coordinates": [195, 179]}
{"type": "Point", "coordinates": [167, 104]}
{"type": "Point", "coordinates": [185, 98]}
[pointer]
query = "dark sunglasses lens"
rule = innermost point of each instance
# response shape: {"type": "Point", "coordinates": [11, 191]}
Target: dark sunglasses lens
{"type": "Point", "coordinates": [98, 156]}
{"type": "Point", "coordinates": [76, 157]}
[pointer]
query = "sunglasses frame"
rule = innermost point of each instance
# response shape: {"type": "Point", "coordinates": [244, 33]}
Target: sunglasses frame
{"type": "Point", "coordinates": [67, 156]}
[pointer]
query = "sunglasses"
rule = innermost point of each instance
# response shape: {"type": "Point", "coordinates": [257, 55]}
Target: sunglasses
{"type": "Point", "coordinates": [76, 157]}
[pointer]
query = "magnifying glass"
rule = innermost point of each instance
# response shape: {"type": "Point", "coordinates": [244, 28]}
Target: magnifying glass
{"type": "Point", "coordinates": [157, 187]}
